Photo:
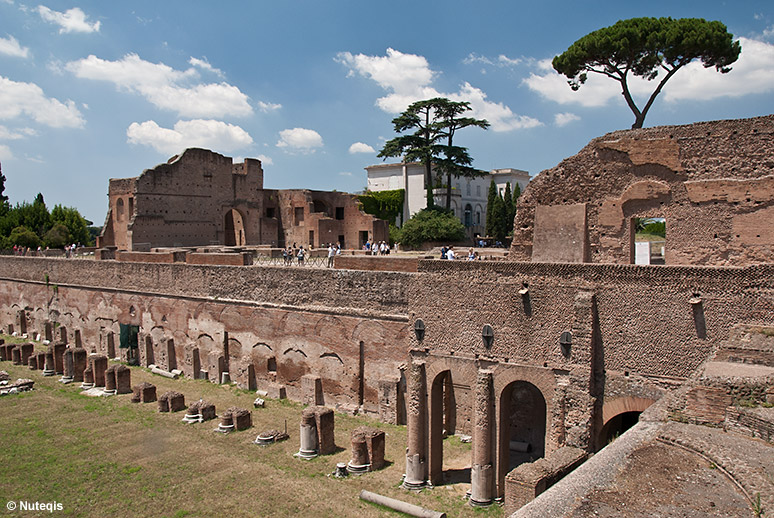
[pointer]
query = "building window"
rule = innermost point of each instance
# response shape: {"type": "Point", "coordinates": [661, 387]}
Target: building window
{"type": "Point", "coordinates": [468, 215]}
{"type": "Point", "coordinates": [298, 212]}
{"type": "Point", "coordinates": [339, 212]}
{"type": "Point", "coordinates": [467, 191]}
{"type": "Point", "coordinates": [478, 217]}
{"type": "Point", "coordinates": [478, 191]}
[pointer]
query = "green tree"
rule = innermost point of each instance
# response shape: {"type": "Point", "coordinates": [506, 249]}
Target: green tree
{"type": "Point", "coordinates": [386, 205]}
{"type": "Point", "coordinates": [57, 237]}
{"type": "Point", "coordinates": [516, 194]}
{"type": "Point", "coordinates": [431, 225]}
{"type": "Point", "coordinates": [77, 225]}
{"type": "Point", "coordinates": [508, 206]}
{"type": "Point", "coordinates": [4, 205]}
{"type": "Point", "coordinates": [456, 160]}
{"type": "Point", "coordinates": [499, 219]}
{"type": "Point", "coordinates": [421, 145]}
{"type": "Point", "coordinates": [646, 47]}
{"type": "Point", "coordinates": [490, 203]}
{"type": "Point", "coordinates": [22, 236]}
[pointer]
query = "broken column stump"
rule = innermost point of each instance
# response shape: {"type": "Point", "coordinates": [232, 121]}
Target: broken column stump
{"type": "Point", "coordinates": [200, 411]}
{"type": "Point", "coordinates": [16, 355]}
{"type": "Point", "coordinates": [123, 375]}
{"type": "Point", "coordinates": [175, 401]}
{"type": "Point", "coordinates": [88, 378]}
{"type": "Point", "coordinates": [308, 435]}
{"type": "Point", "coordinates": [58, 349]}
{"type": "Point", "coordinates": [367, 450]}
{"type": "Point", "coordinates": [26, 350]}
{"type": "Point", "coordinates": [33, 362]}
{"type": "Point", "coordinates": [110, 380]}
{"type": "Point", "coordinates": [79, 363]}
{"type": "Point", "coordinates": [144, 393]}
{"type": "Point", "coordinates": [99, 363]}
{"type": "Point", "coordinates": [48, 364]}
{"type": "Point", "coordinates": [69, 367]}
{"type": "Point", "coordinates": [311, 387]}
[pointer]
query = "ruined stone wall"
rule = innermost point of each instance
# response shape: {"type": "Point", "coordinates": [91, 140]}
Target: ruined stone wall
{"type": "Point", "coordinates": [713, 182]}
{"type": "Point", "coordinates": [270, 326]}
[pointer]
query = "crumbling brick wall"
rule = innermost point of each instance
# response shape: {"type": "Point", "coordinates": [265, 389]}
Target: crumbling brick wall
{"type": "Point", "coordinates": [713, 182]}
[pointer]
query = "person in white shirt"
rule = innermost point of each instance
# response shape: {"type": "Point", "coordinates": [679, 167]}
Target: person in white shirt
{"type": "Point", "coordinates": [450, 254]}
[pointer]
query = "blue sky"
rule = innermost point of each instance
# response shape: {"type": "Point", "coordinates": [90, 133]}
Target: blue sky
{"type": "Point", "coordinates": [94, 90]}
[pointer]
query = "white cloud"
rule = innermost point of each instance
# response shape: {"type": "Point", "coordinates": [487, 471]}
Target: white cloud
{"type": "Point", "coordinates": [165, 87]}
{"type": "Point", "coordinates": [563, 119]}
{"type": "Point", "coordinates": [210, 134]}
{"type": "Point", "coordinates": [500, 61]}
{"type": "Point", "coordinates": [205, 65]}
{"type": "Point", "coordinates": [300, 139]}
{"type": "Point", "coordinates": [265, 160]}
{"type": "Point", "coordinates": [10, 47]}
{"type": "Point", "coordinates": [345, 173]}
{"type": "Point", "coordinates": [5, 152]}
{"type": "Point", "coordinates": [360, 147]}
{"type": "Point", "coordinates": [72, 20]}
{"type": "Point", "coordinates": [407, 78]}
{"type": "Point", "coordinates": [751, 74]}
{"type": "Point", "coordinates": [7, 134]}
{"type": "Point", "coordinates": [268, 107]}
{"type": "Point", "coordinates": [28, 98]}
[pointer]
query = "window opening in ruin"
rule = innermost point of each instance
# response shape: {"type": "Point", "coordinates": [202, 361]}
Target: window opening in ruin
{"type": "Point", "coordinates": [522, 425]}
{"type": "Point", "coordinates": [298, 215]}
{"type": "Point", "coordinates": [271, 364]}
{"type": "Point", "coordinates": [311, 237]}
{"type": "Point", "coordinates": [339, 212]}
{"type": "Point", "coordinates": [362, 239]}
{"type": "Point", "coordinates": [648, 240]}
{"type": "Point", "coordinates": [468, 215]}
{"type": "Point", "coordinates": [320, 206]}
{"type": "Point", "coordinates": [616, 426]}
{"type": "Point", "coordinates": [270, 212]}
{"type": "Point", "coordinates": [131, 207]}
{"type": "Point", "coordinates": [120, 209]}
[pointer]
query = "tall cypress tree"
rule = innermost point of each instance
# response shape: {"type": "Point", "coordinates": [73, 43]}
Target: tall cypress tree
{"type": "Point", "coordinates": [490, 201]}
{"type": "Point", "coordinates": [499, 219]}
{"type": "Point", "coordinates": [508, 202]}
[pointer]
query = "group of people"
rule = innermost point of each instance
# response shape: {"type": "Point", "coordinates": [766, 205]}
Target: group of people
{"type": "Point", "coordinates": [300, 254]}
{"type": "Point", "coordinates": [449, 254]}
{"type": "Point", "coordinates": [27, 251]}
{"type": "Point", "coordinates": [374, 248]}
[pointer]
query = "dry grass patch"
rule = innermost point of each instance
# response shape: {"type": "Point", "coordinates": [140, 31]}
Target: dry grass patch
{"type": "Point", "coordinates": [108, 457]}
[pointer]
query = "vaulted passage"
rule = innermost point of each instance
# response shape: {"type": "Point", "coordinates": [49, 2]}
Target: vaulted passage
{"type": "Point", "coordinates": [522, 424]}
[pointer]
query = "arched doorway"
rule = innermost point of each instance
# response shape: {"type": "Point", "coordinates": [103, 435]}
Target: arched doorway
{"type": "Point", "coordinates": [443, 422]}
{"type": "Point", "coordinates": [235, 229]}
{"type": "Point", "coordinates": [521, 426]}
{"type": "Point", "coordinates": [618, 415]}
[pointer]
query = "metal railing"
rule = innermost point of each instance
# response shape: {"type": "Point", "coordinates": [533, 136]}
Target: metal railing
{"type": "Point", "coordinates": [309, 262]}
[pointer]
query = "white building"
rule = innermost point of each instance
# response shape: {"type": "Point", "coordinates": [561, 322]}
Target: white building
{"type": "Point", "coordinates": [469, 195]}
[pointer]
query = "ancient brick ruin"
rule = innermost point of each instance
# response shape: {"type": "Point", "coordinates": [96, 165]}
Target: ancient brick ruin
{"type": "Point", "coordinates": [202, 198]}
{"type": "Point", "coordinates": [545, 356]}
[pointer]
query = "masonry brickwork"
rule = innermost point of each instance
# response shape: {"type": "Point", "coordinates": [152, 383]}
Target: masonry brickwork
{"type": "Point", "coordinates": [201, 198]}
{"type": "Point", "coordinates": [713, 182]}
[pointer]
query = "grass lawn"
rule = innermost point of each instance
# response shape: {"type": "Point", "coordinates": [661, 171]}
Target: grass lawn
{"type": "Point", "coordinates": [104, 456]}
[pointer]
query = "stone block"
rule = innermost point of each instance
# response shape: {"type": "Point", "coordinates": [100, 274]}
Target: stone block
{"type": "Point", "coordinates": [311, 387]}
{"type": "Point", "coordinates": [16, 355]}
{"type": "Point", "coordinates": [33, 362]}
{"type": "Point", "coordinates": [80, 360]}
{"type": "Point", "coordinates": [242, 418]}
{"type": "Point", "coordinates": [99, 364]}
{"type": "Point", "coordinates": [144, 393]}
{"type": "Point", "coordinates": [58, 349]}
{"type": "Point", "coordinates": [325, 429]}
{"type": "Point", "coordinates": [123, 376]}
{"type": "Point", "coordinates": [110, 379]}
{"type": "Point", "coordinates": [26, 350]}
{"type": "Point", "coordinates": [171, 402]}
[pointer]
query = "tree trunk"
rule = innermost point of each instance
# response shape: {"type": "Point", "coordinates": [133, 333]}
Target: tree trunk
{"type": "Point", "coordinates": [448, 191]}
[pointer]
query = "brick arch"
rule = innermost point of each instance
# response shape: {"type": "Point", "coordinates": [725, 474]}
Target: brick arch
{"type": "Point", "coordinates": [621, 405]}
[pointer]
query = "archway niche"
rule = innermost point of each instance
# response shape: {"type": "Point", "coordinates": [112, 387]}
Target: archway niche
{"type": "Point", "coordinates": [522, 424]}
{"type": "Point", "coordinates": [234, 229]}
{"type": "Point", "coordinates": [443, 422]}
{"type": "Point", "coordinates": [618, 415]}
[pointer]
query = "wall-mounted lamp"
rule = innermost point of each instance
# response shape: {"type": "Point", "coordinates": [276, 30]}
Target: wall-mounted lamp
{"type": "Point", "coordinates": [696, 299]}
{"type": "Point", "coordinates": [419, 329]}
{"type": "Point", "coordinates": [487, 334]}
{"type": "Point", "coordinates": [565, 342]}
{"type": "Point", "coordinates": [525, 301]}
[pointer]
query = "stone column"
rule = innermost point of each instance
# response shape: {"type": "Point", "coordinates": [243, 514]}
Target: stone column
{"type": "Point", "coordinates": [416, 453]}
{"type": "Point", "coordinates": [69, 366]}
{"type": "Point", "coordinates": [26, 350]}
{"type": "Point", "coordinates": [110, 380]}
{"type": "Point", "coordinates": [482, 469]}
{"type": "Point", "coordinates": [308, 433]}
{"type": "Point", "coordinates": [59, 349]}
{"type": "Point", "coordinates": [123, 379]}
{"type": "Point", "coordinates": [79, 363]}
{"type": "Point", "coordinates": [99, 364]}
{"type": "Point", "coordinates": [48, 369]}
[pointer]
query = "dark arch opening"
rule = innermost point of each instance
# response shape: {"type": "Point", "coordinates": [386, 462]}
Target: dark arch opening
{"type": "Point", "coordinates": [616, 426]}
{"type": "Point", "coordinates": [522, 424]}
{"type": "Point", "coordinates": [235, 229]}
